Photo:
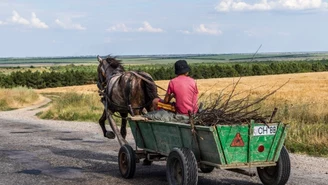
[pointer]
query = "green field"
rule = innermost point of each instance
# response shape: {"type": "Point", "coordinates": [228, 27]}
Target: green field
{"type": "Point", "coordinates": [165, 59]}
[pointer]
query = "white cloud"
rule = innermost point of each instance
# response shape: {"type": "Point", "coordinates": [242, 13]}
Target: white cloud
{"type": "Point", "coordinates": [68, 25]}
{"type": "Point", "coordinates": [148, 28]}
{"type": "Point", "coordinates": [2, 23]}
{"type": "Point", "coordinates": [203, 29]}
{"type": "Point", "coordinates": [123, 28]}
{"type": "Point", "coordinates": [16, 18]}
{"type": "Point", "coordinates": [207, 30]}
{"type": "Point", "coordinates": [119, 28]}
{"type": "Point", "coordinates": [266, 5]}
{"type": "Point", "coordinates": [36, 22]}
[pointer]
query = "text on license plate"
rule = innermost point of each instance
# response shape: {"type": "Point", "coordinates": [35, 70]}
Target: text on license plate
{"type": "Point", "coordinates": [265, 130]}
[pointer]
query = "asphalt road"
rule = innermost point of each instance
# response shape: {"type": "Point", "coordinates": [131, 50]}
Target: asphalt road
{"type": "Point", "coordinates": [34, 151]}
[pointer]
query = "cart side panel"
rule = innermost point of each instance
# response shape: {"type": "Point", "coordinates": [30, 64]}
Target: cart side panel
{"type": "Point", "coordinates": [281, 141]}
{"type": "Point", "coordinates": [159, 136]}
{"type": "Point", "coordinates": [136, 133]}
{"type": "Point", "coordinates": [162, 137]}
{"type": "Point", "coordinates": [227, 133]}
{"type": "Point", "coordinates": [250, 147]}
{"type": "Point", "coordinates": [168, 137]}
{"type": "Point", "coordinates": [272, 144]}
{"type": "Point", "coordinates": [146, 135]}
{"type": "Point", "coordinates": [209, 146]}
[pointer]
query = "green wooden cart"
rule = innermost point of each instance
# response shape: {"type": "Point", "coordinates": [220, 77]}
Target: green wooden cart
{"type": "Point", "coordinates": [187, 148]}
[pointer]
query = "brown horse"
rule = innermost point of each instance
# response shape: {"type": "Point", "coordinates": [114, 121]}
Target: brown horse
{"type": "Point", "coordinates": [125, 92]}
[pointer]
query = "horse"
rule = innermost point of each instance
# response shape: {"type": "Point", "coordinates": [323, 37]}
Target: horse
{"type": "Point", "coordinates": [125, 92]}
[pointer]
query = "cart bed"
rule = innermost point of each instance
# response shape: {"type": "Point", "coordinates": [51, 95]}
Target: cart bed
{"type": "Point", "coordinates": [222, 146]}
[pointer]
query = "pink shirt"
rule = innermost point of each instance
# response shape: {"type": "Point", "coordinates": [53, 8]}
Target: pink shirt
{"type": "Point", "coordinates": [185, 90]}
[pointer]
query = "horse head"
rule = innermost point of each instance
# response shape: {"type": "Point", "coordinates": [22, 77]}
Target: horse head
{"type": "Point", "coordinates": [108, 67]}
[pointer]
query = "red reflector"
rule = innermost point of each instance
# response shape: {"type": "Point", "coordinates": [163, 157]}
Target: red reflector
{"type": "Point", "coordinates": [237, 141]}
{"type": "Point", "coordinates": [260, 148]}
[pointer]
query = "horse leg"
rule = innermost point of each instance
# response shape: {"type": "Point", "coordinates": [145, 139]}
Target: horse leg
{"type": "Point", "coordinates": [102, 120]}
{"type": "Point", "coordinates": [102, 123]}
{"type": "Point", "coordinates": [123, 125]}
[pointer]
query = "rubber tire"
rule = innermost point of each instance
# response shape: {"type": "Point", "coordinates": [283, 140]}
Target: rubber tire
{"type": "Point", "coordinates": [276, 175]}
{"type": "Point", "coordinates": [181, 167]}
{"type": "Point", "coordinates": [127, 161]}
{"type": "Point", "coordinates": [206, 168]}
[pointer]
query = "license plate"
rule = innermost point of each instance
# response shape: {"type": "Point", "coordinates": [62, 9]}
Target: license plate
{"type": "Point", "coordinates": [265, 130]}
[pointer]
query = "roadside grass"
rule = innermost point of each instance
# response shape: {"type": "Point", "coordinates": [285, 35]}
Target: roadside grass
{"type": "Point", "coordinates": [17, 97]}
{"type": "Point", "coordinates": [308, 127]}
{"type": "Point", "coordinates": [73, 107]}
{"type": "Point", "coordinates": [308, 138]}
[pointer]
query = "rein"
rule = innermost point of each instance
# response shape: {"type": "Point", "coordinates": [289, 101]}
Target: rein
{"type": "Point", "coordinates": [103, 72]}
{"type": "Point", "coordinates": [146, 80]}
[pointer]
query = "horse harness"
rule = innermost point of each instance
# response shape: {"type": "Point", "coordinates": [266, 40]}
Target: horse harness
{"type": "Point", "coordinates": [114, 79]}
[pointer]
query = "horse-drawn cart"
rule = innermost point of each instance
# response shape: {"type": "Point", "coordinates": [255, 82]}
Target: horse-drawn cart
{"type": "Point", "coordinates": [186, 148]}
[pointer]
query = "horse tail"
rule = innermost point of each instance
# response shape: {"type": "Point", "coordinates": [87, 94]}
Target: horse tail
{"type": "Point", "coordinates": [150, 89]}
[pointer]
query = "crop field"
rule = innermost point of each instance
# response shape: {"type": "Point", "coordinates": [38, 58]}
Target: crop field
{"type": "Point", "coordinates": [163, 59]}
{"type": "Point", "coordinates": [307, 87]}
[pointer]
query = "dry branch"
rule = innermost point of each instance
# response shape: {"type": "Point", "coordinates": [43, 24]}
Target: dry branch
{"type": "Point", "coordinates": [227, 109]}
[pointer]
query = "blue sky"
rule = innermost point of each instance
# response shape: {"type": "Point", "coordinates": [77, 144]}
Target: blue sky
{"type": "Point", "coordinates": [126, 27]}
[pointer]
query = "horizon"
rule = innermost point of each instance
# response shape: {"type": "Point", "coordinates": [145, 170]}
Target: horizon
{"type": "Point", "coordinates": [182, 54]}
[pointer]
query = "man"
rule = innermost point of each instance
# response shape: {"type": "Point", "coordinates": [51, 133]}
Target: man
{"type": "Point", "coordinates": [183, 88]}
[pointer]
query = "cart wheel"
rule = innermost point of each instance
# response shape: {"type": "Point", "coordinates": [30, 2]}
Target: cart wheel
{"type": "Point", "coordinates": [276, 175]}
{"type": "Point", "coordinates": [206, 168]}
{"type": "Point", "coordinates": [181, 167]}
{"type": "Point", "coordinates": [127, 161]}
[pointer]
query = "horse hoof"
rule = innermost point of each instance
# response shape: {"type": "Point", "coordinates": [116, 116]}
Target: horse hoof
{"type": "Point", "coordinates": [110, 135]}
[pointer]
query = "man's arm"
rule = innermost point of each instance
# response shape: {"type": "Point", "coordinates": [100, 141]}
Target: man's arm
{"type": "Point", "coordinates": [168, 97]}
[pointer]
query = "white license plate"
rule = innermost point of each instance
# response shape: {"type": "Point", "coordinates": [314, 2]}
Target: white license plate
{"type": "Point", "coordinates": [265, 130]}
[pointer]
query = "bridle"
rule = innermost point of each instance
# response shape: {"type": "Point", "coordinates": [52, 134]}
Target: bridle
{"type": "Point", "coordinates": [103, 73]}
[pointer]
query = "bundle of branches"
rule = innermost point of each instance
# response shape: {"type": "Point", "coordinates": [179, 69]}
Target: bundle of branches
{"type": "Point", "coordinates": [227, 108]}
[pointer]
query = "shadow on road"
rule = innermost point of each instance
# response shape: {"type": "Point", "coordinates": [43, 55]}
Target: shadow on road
{"type": "Point", "coordinates": [107, 164]}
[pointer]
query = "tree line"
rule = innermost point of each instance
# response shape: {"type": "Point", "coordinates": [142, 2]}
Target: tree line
{"type": "Point", "coordinates": [39, 80]}
{"type": "Point", "coordinates": [80, 75]}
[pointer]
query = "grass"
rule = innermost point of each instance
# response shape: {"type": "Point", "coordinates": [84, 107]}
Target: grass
{"type": "Point", "coordinates": [308, 128]}
{"type": "Point", "coordinates": [73, 107]}
{"type": "Point", "coordinates": [16, 98]}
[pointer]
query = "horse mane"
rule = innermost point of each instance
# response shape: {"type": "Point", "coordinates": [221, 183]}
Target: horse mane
{"type": "Point", "coordinates": [114, 63]}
